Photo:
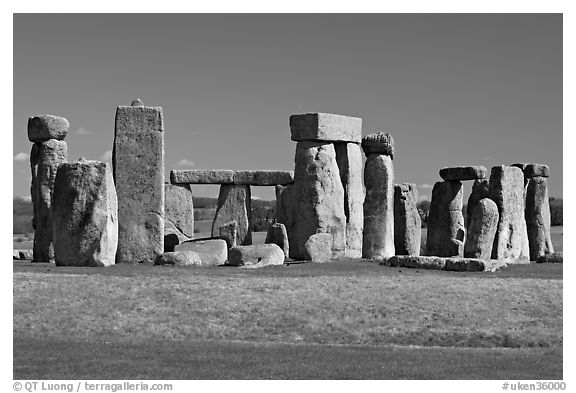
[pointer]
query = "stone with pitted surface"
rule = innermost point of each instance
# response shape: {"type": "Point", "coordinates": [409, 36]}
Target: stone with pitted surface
{"type": "Point", "coordinates": [538, 218]}
{"type": "Point", "coordinates": [212, 252]}
{"type": "Point", "coordinates": [481, 230]}
{"type": "Point", "coordinates": [533, 170]}
{"type": "Point", "coordinates": [226, 176]}
{"type": "Point", "coordinates": [179, 258]}
{"type": "Point", "coordinates": [325, 127]}
{"type": "Point", "coordinates": [407, 222]}
{"type": "Point", "coordinates": [445, 237]}
{"type": "Point", "coordinates": [379, 143]}
{"type": "Point", "coordinates": [179, 208]}
{"type": "Point", "coordinates": [462, 173]}
{"type": "Point", "coordinates": [277, 235]}
{"type": "Point", "coordinates": [234, 204]}
{"type": "Point", "coordinates": [319, 247]}
{"type": "Point", "coordinates": [45, 127]}
{"type": "Point", "coordinates": [256, 256]}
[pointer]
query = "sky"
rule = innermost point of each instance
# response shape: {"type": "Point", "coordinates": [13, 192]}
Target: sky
{"type": "Point", "coordinates": [452, 89]}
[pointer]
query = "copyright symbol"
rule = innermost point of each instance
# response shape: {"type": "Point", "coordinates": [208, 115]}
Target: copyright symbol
{"type": "Point", "coordinates": [17, 386]}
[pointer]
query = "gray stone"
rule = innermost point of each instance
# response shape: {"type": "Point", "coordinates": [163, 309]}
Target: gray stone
{"type": "Point", "coordinates": [15, 254]}
{"type": "Point", "coordinates": [319, 247]}
{"type": "Point", "coordinates": [226, 176]}
{"type": "Point", "coordinates": [349, 160]}
{"type": "Point", "coordinates": [537, 215]}
{"type": "Point", "coordinates": [277, 235]}
{"type": "Point", "coordinates": [533, 170]}
{"type": "Point", "coordinates": [48, 156]}
{"type": "Point", "coordinates": [555, 257]}
{"type": "Point", "coordinates": [138, 159]}
{"type": "Point", "coordinates": [317, 199]}
{"type": "Point", "coordinates": [229, 232]}
{"type": "Point", "coordinates": [172, 236]}
{"type": "Point", "coordinates": [286, 212]}
{"type": "Point", "coordinates": [325, 127]}
{"type": "Point", "coordinates": [212, 252]}
{"type": "Point", "coordinates": [407, 222]}
{"type": "Point", "coordinates": [26, 254]}
{"type": "Point", "coordinates": [415, 262]}
{"type": "Point", "coordinates": [480, 190]}
{"type": "Point", "coordinates": [445, 237]}
{"type": "Point", "coordinates": [465, 265]}
{"type": "Point", "coordinates": [447, 264]}
{"type": "Point", "coordinates": [256, 256]}
{"type": "Point", "coordinates": [461, 173]}
{"type": "Point", "coordinates": [45, 127]}
{"type": "Point", "coordinates": [507, 190]}
{"type": "Point", "coordinates": [263, 178]}
{"type": "Point", "coordinates": [378, 235]}
{"type": "Point", "coordinates": [481, 230]}
{"type": "Point", "coordinates": [179, 208]}
{"type": "Point", "coordinates": [85, 215]}
{"type": "Point", "coordinates": [234, 204]}
{"type": "Point", "coordinates": [179, 258]}
{"type": "Point", "coordinates": [379, 143]}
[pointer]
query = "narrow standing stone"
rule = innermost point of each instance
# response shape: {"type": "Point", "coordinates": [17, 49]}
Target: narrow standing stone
{"type": "Point", "coordinates": [234, 204]}
{"type": "Point", "coordinates": [480, 190]}
{"type": "Point", "coordinates": [138, 161]}
{"type": "Point", "coordinates": [481, 230]}
{"type": "Point", "coordinates": [445, 237]}
{"type": "Point", "coordinates": [538, 218]}
{"type": "Point", "coordinates": [277, 235]}
{"type": "Point", "coordinates": [179, 207]}
{"type": "Point", "coordinates": [407, 222]}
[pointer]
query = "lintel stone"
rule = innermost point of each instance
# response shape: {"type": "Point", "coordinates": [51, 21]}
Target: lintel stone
{"type": "Point", "coordinates": [226, 176]}
{"type": "Point", "coordinates": [325, 127]}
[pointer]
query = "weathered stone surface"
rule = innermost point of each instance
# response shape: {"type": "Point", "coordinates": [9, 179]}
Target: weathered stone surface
{"type": "Point", "coordinates": [465, 265]}
{"type": "Point", "coordinates": [226, 176]}
{"type": "Point", "coordinates": [234, 204]}
{"type": "Point", "coordinates": [537, 215]}
{"type": "Point", "coordinates": [285, 211]}
{"type": "Point", "coordinates": [84, 215]}
{"type": "Point", "coordinates": [172, 236]}
{"type": "Point", "coordinates": [45, 127]}
{"type": "Point", "coordinates": [277, 235]}
{"type": "Point", "coordinates": [445, 237]}
{"type": "Point", "coordinates": [418, 262]}
{"type": "Point", "coordinates": [480, 190]}
{"type": "Point", "coordinates": [179, 207]}
{"type": "Point", "coordinates": [26, 254]}
{"type": "Point", "coordinates": [407, 222]}
{"type": "Point", "coordinates": [507, 190]}
{"type": "Point", "coordinates": [349, 160]}
{"type": "Point", "coordinates": [481, 230]}
{"type": "Point", "coordinates": [138, 159]}
{"type": "Point", "coordinates": [15, 254]}
{"type": "Point", "coordinates": [378, 235]}
{"type": "Point", "coordinates": [256, 256]}
{"type": "Point", "coordinates": [325, 127]}
{"type": "Point", "coordinates": [319, 247]}
{"type": "Point", "coordinates": [461, 173]}
{"type": "Point", "coordinates": [447, 264]}
{"type": "Point", "coordinates": [379, 143]}
{"type": "Point", "coordinates": [229, 232]}
{"type": "Point", "coordinates": [212, 252]}
{"type": "Point", "coordinates": [556, 257]}
{"type": "Point", "coordinates": [317, 199]}
{"type": "Point", "coordinates": [179, 258]}
{"type": "Point", "coordinates": [533, 170]}
{"type": "Point", "coordinates": [263, 178]}
{"type": "Point", "coordinates": [49, 155]}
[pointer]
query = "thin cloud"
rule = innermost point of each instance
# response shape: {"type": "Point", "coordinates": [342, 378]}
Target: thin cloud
{"type": "Point", "coordinates": [83, 131]}
{"type": "Point", "coordinates": [425, 186]}
{"type": "Point", "coordinates": [21, 157]}
{"type": "Point", "coordinates": [107, 156]}
{"type": "Point", "coordinates": [185, 162]}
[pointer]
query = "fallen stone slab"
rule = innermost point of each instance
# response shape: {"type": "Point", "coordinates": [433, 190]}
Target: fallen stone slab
{"type": "Point", "coordinates": [463, 173]}
{"type": "Point", "coordinates": [446, 264]}
{"type": "Point", "coordinates": [256, 256]}
{"type": "Point", "coordinates": [15, 254]}
{"type": "Point", "coordinates": [533, 170]}
{"type": "Point", "coordinates": [378, 143]}
{"type": "Point", "coordinates": [179, 258]}
{"type": "Point", "coordinates": [325, 127]}
{"type": "Point", "coordinates": [212, 252]}
{"type": "Point", "coordinates": [414, 261]}
{"type": "Point", "coordinates": [555, 257]}
{"type": "Point", "coordinates": [227, 176]}
{"type": "Point", "coordinates": [26, 254]}
{"type": "Point", "coordinates": [278, 235]}
{"type": "Point", "coordinates": [319, 247]}
{"type": "Point", "coordinates": [464, 265]}
{"type": "Point", "coordinates": [45, 127]}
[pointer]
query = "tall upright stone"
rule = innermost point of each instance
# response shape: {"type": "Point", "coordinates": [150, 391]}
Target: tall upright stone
{"type": "Point", "coordinates": [234, 204]}
{"type": "Point", "coordinates": [407, 222]}
{"type": "Point", "coordinates": [507, 190]}
{"type": "Point", "coordinates": [378, 233]}
{"type": "Point", "coordinates": [138, 160]}
{"type": "Point", "coordinates": [538, 218]}
{"type": "Point", "coordinates": [85, 215]}
{"type": "Point", "coordinates": [480, 190]}
{"type": "Point", "coordinates": [481, 229]}
{"type": "Point", "coordinates": [445, 237]}
{"type": "Point", "coordinates": [179, 207]}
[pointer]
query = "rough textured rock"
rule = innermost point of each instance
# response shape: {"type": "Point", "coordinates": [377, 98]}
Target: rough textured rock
{"type": "Point", "coordinates": [15, 254]}
{"type": "Point", "coordinates": [226, 176]}
{"type": "Point", "coordinates": [212, 252]}
{"type": "Point", "coordinates": [533, 170]}
{"type": "Point", "coordinates": [179, 208]}
{"type": "Point", "coordinates": [277, 235]}
{"type": "Point", "coordinates": [465, 265]}
{"type": "Point", "coordinates": [325, 127]}
{"type": "Point", "coordinates": [263, 178]}
{"type": "Point", "coordinates": [45, 127]}
{"type": "Point", "coordinates": [172, 236]}
{"type": "Point", "coordinates": [419, 262]}
{"type": "Point", "coordinates": [319, 247]}
{"type": "Point", "coordinates": [480, 190]}
{"type": "Point", "coordinates": [461, 173]}
{"type": "Point", "coordinates": [179, 258]}
{"type": "Point", "coordinates": [447, 264]}
{"type": "Point", "coordinates": [407, 222]}
{"type": "Point", "coordinates": [378, 235]}
{"type": "Point", "coordinates": [234, 204]}
{"type": "Point", "coordinates": [26, 254]}
{"type": "Point", "coordinates": [316, 200]}
{"type": "Point", "coordinates": [138, 159]}
{"type": "Point", "coordinates": [349, 160]}
{"type": "Point", "coordinates": [229, 232]}
{"type": "Point", "coordinates": [507, 190]}
{"type": "Point", "coordinates": [48, 156]}
{"type": "Point", "coordinates": [537, 215]}
{"type": "Point", "coordinates": [555, 257]}
{"type": "Point", "coordinates": [84, 215]}
{"type": "Point", "coordinates": [256, 256]}
{"type": "Point", "coordinates": [380, 143]}
{"type": "Point", "coordinates": [481, 230]}
{"type": "Point", "coordinates": [445, 237]}
{"type": "Point", "coordinates": [285, 211]}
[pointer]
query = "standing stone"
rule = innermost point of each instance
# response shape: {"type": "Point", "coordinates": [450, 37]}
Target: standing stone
{"type": "Point", "coordinates": [317, 199]}
{"type": "Point", "coordinates": [234, 204]}
{"type": "Point", "coordinates": [480, 190]}
{"type": "Point", "coordinates": [277, 235]}
{"type": "Point", "coordinates": [349, 160]}
{"type": "Point", "coordinates": [34, 155]}
{"type": "Point", "coordinates": [407, 222]}
{"type": "Point", "coordinates": [445, 237]}
{"type": "Point", "coordinates": [378, 233]}
{"type": "Point", "coordinates": [138, 160]}
{"type": "Point", "coordinates": [533, 170]}
{"type": "Point", "coordinates": [85, 215]}
{"type": "Point", "coordinates": [538, 218]}
{"type": "Point", "coordinates": [50, 154]}
{"type": "Point", "coordinates": [481, 230]}
{"type": "Point", "coordinates": [229, 232]}
{"type": "Point", "coordinates": [179, 207]}
{"type": "Point", "coordinates": [285, 212]}
{"type": "Point", "coordinates": [507, 190]}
